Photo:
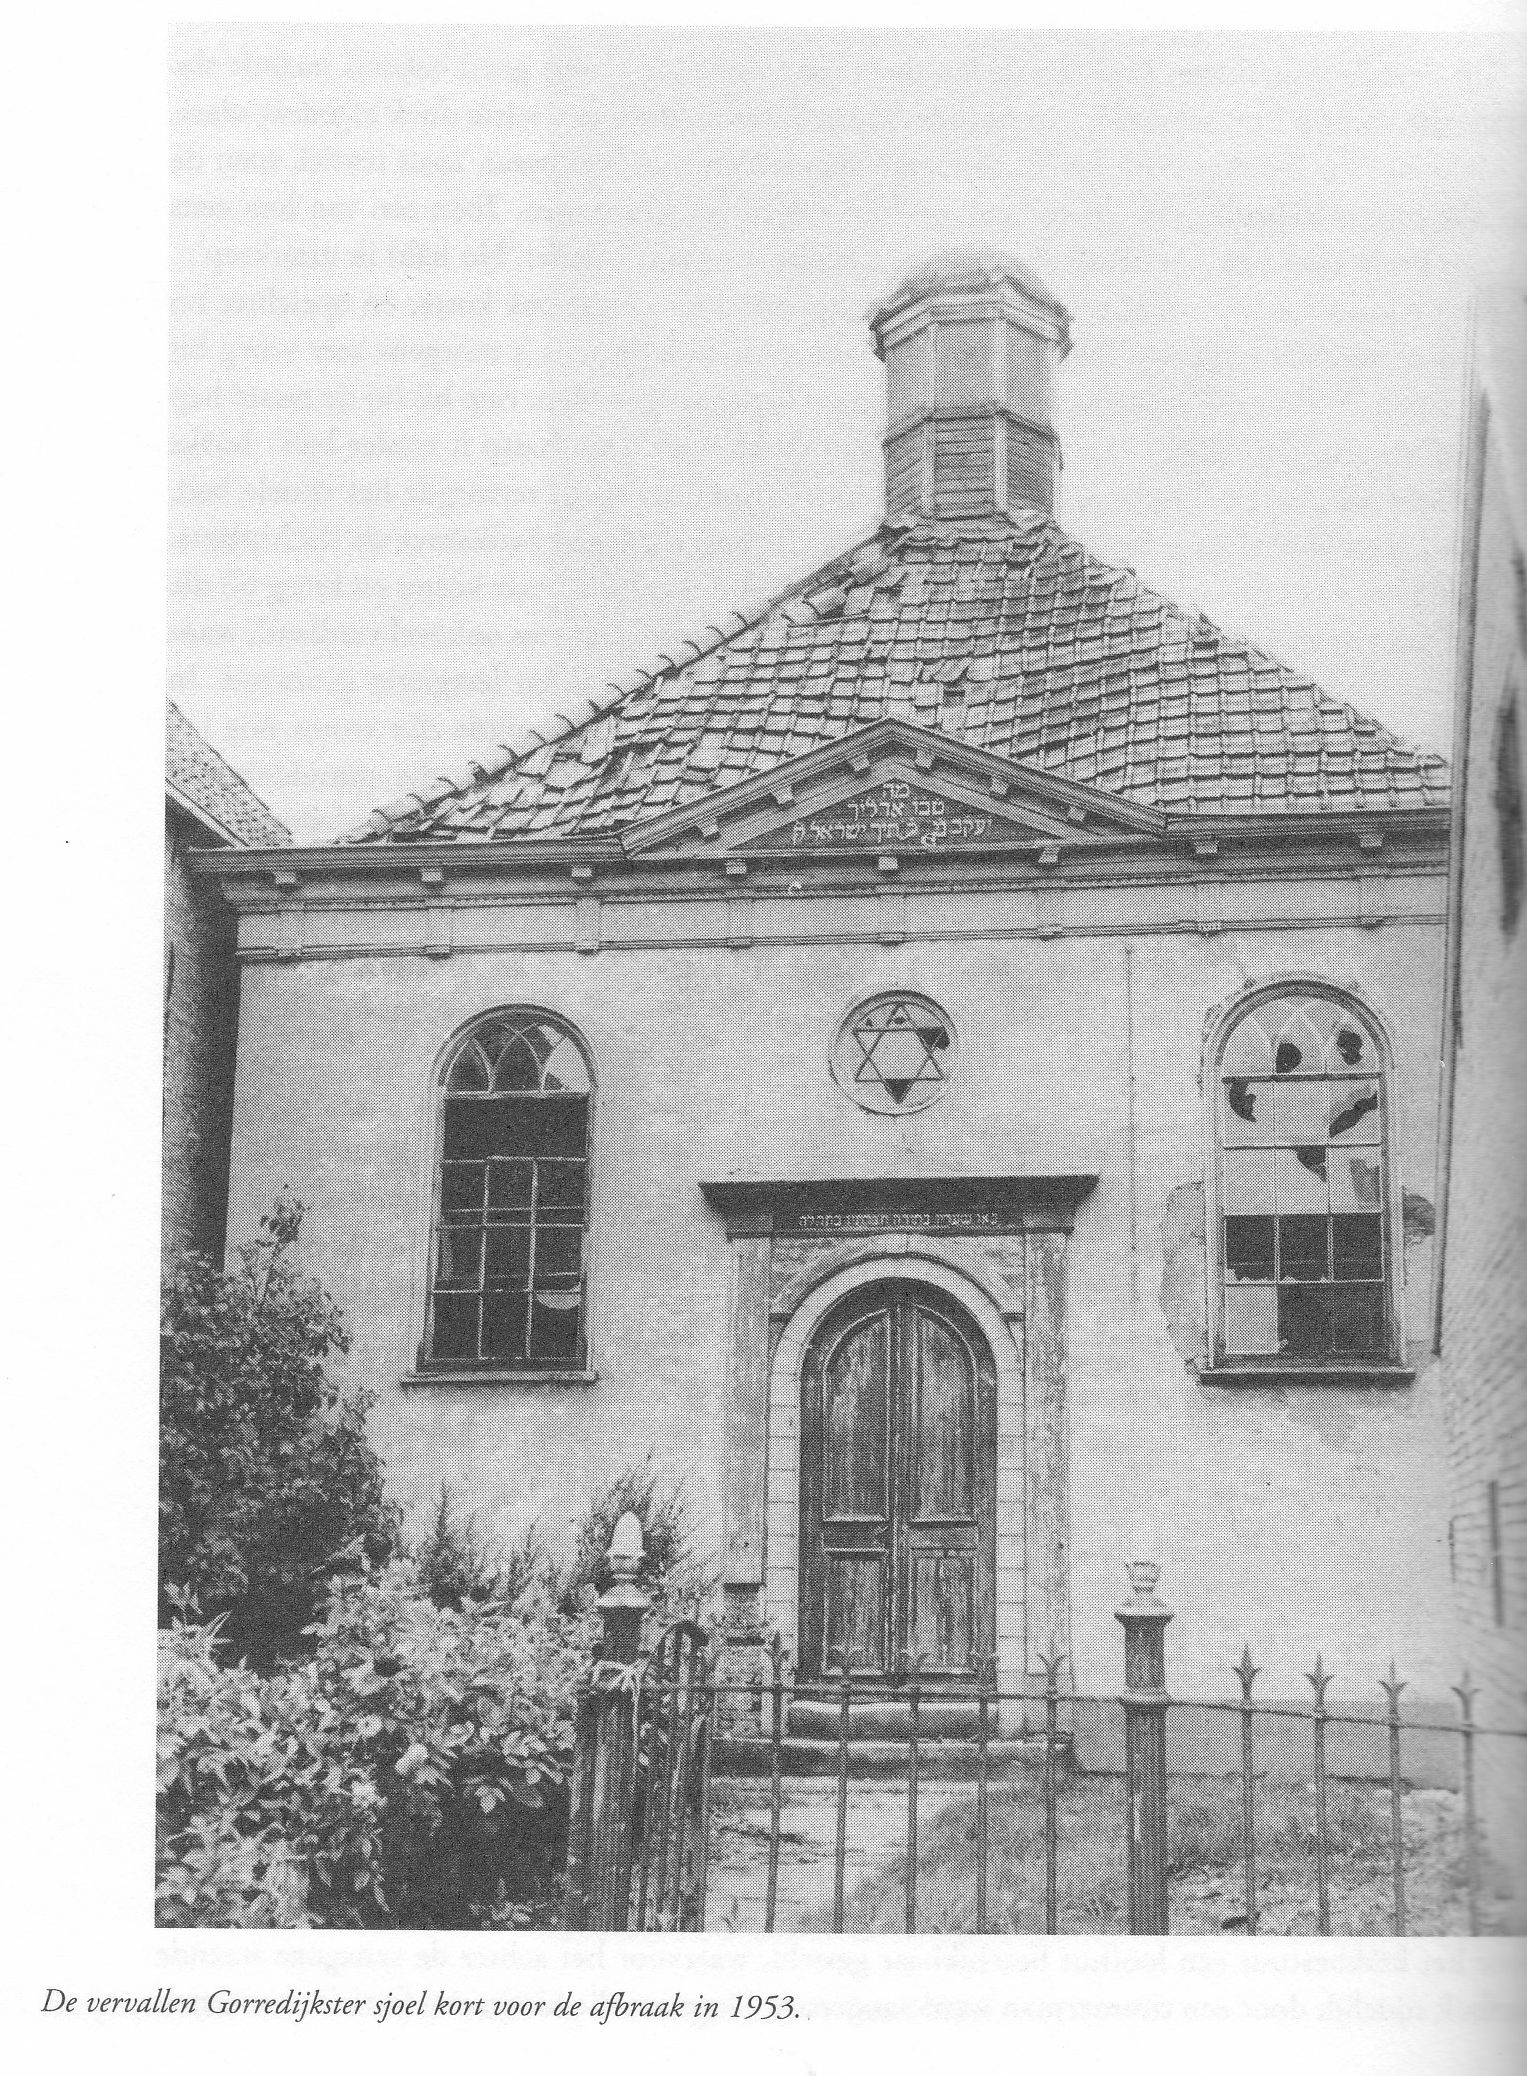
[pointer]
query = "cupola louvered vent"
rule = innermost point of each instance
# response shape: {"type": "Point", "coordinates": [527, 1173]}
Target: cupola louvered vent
{"type": "Point", "coordinates": [971, 343]}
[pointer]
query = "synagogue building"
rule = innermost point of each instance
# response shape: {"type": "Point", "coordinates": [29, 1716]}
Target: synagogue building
{"type": "Point", "coordinates": [946, 1062]}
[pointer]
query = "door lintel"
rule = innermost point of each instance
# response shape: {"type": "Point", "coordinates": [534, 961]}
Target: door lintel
{"type": "Point", "coordinates": [862, 1206]}
{"type": "Point", "coordinates": [898, 1255]}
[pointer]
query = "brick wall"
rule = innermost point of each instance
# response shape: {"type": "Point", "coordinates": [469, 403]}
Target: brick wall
{"type": "Point", "coordinates": [1483, 1301]}
{"type": "Point", "coordinates": [200, 1031]}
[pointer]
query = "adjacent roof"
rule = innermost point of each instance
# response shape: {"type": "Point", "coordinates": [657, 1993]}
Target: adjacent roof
{"type": "Point", "coordinates": [199, 779]}
{"type": "Point", "coordinates": [1000, 630]}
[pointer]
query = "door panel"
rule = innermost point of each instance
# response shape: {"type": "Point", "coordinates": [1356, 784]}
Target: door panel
{"type": "Point", "coordinates": [898, 1489]}
{"type": "Point", "coordinates": [847, 1474]}
{"type": "Point", "coordinates": [943, 1609]}
{"type": "Point", "coordinates": [944, 1435]}
{"type": "Point", "coordinates": [856, 1422]}
{"type": "Point", "coordinates": [856, 1610]}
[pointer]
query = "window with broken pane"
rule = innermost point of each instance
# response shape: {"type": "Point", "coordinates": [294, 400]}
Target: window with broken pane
{"type": "Point", "coordinates": [506, 1275]}
{"type": "Point", "coordinates": [895, 1053]}
{"type": "Point", "coordinates": [1304, 1250]}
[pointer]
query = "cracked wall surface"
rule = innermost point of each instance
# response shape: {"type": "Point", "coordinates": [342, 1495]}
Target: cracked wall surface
{"type": "Point", "coordinates": [1184, 1273]}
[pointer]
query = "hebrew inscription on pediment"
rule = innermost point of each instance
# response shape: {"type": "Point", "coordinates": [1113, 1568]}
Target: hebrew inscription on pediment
{"type": "Point", "coordinates": [897, 814]}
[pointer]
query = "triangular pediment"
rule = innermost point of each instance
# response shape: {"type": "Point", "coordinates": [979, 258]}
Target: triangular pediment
{"type": "Point", "coordinates": [896, 789]}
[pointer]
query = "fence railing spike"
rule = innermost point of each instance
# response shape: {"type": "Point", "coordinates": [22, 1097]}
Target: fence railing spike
{"type": "Point", "coordinates": [1246, 1671]}
{"type": "Point", "coordinates": [1466, 1692]}
{"type": "Point", "coordinates": [1393, 1687]}
{"type": "Point", "coordinates": [912, 1667]}
{"type": "Point", "coordinates": [713, 1659]}
{"type": "Point", "coordinates": [1052, 1828]}
{"type": "Point", "coordinates": [840, 1832]}
{"type": "Point", "coordinates": [986, 1676]}
{"type": "Point", "coordinates": [776, 1757]}
{"type": "Point", "coordinates": [1320, 1679]}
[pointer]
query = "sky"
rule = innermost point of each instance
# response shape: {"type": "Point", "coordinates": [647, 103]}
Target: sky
{"type": "Point", "coordinates": [502, 359]}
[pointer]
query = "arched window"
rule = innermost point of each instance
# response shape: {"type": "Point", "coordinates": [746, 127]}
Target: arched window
{"type": "Point", "coordinates": [1305, 1223]}
{"type": "Point", "coordinates": [506, 1269]}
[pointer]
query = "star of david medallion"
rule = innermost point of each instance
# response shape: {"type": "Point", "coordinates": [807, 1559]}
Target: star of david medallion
{"type": "Point", "coordinates": [894, 1053]}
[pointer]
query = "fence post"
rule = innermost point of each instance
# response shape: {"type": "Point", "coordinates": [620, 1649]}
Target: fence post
{"type": "Point", "coordinates": [1466, 1692]}
{"type": "Point", "coordinates": [1145, 1700]}
{"type": "Point", "coordinates": [604, 1757]}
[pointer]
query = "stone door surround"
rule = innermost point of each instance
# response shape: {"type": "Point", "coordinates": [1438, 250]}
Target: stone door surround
{"type": "Point", "coordinates": [995, 1245]}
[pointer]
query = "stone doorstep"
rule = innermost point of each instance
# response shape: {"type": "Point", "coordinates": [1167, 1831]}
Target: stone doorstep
{"type": "Point", "coordinates": [880, 1717]}
{"type": "Point", "coordinates": [879, 1758]}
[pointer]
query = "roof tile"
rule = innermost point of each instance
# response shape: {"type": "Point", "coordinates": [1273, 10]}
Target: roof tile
{"type": "Point", "coordinates": [1093, 675]}
{"type": "Point", "coordinates": [214, 791]}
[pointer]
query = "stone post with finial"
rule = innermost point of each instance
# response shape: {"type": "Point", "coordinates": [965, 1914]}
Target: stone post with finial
{"type": "Point", "coordinates": [598, 1880]}
{"type": "Point", "coordinates": [1146, 1701]}
{"type": "Point", "coordinates": [623, 1606]}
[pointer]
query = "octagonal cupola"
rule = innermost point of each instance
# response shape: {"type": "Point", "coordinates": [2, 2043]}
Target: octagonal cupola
{"type": "Point", "coordinates": [971, 341]}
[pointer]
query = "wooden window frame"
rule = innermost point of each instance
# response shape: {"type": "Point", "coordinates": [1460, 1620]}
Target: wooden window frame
{"type": "Point", "coordinates": [573, 1367]}
{"type": "Point", "coordinates": [1384, 1367]}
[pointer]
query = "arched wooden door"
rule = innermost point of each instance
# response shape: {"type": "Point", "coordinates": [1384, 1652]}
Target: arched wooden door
{"type": "Point", "coordinates": [898, 1489]}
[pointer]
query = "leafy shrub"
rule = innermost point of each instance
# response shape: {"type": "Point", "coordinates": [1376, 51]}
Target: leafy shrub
{"type": "Point", "coordinates": [267, 1483]}
{"type": "Point", "coordinates": [671, 1570]}
{"type": "Point", "coordinates": [452, 1563]}
{"type": "Point", "coordinates": [455, 1565]}
{"type": "Point", "coordinates": [416, 1768]}
{"type": "Point", "coordinates": [222, 1859]}
{"type": "Point", "coordinates": [526, 1568]}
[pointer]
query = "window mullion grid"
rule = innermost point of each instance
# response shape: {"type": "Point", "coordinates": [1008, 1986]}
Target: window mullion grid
{"type": "Point", "coordinates": [530, 1261]}
{"type": "Point", "coordinates": [1279, 1142]}
{"type": "Point", "coordinates": [482, 1257]}
{"type": "Point", "coordinates": [1277, 1217]}
{"type": "Point", "coordinates": [1325, 1283]}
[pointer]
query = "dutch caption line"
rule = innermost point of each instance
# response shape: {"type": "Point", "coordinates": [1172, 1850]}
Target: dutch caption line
{"type": "Point", "coordinates": [300, 2004]}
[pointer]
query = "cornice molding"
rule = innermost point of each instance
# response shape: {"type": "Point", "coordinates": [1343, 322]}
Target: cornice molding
{"type": "Point", "coordinates": [420, 875]}
{"type": "Point", "coordinates": [1042, 828]}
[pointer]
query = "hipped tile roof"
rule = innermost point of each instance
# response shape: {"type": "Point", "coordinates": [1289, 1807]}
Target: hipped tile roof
{"type": "Point", "coordinates": [213, 789]}
{"type": "Point", "coordinates": [1000, 630]}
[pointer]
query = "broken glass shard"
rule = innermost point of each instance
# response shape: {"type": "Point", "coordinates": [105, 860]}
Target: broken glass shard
{"type": "Point", "coordinates": [1349, 1110]}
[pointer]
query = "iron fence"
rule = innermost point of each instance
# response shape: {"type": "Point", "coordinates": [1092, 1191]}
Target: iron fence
{"type": "Point", "coordinates": [644, 1820]}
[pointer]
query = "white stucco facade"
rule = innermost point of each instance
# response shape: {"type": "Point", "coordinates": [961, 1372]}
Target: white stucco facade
{"type": "Point", "coordinates": [1306, 1514]}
